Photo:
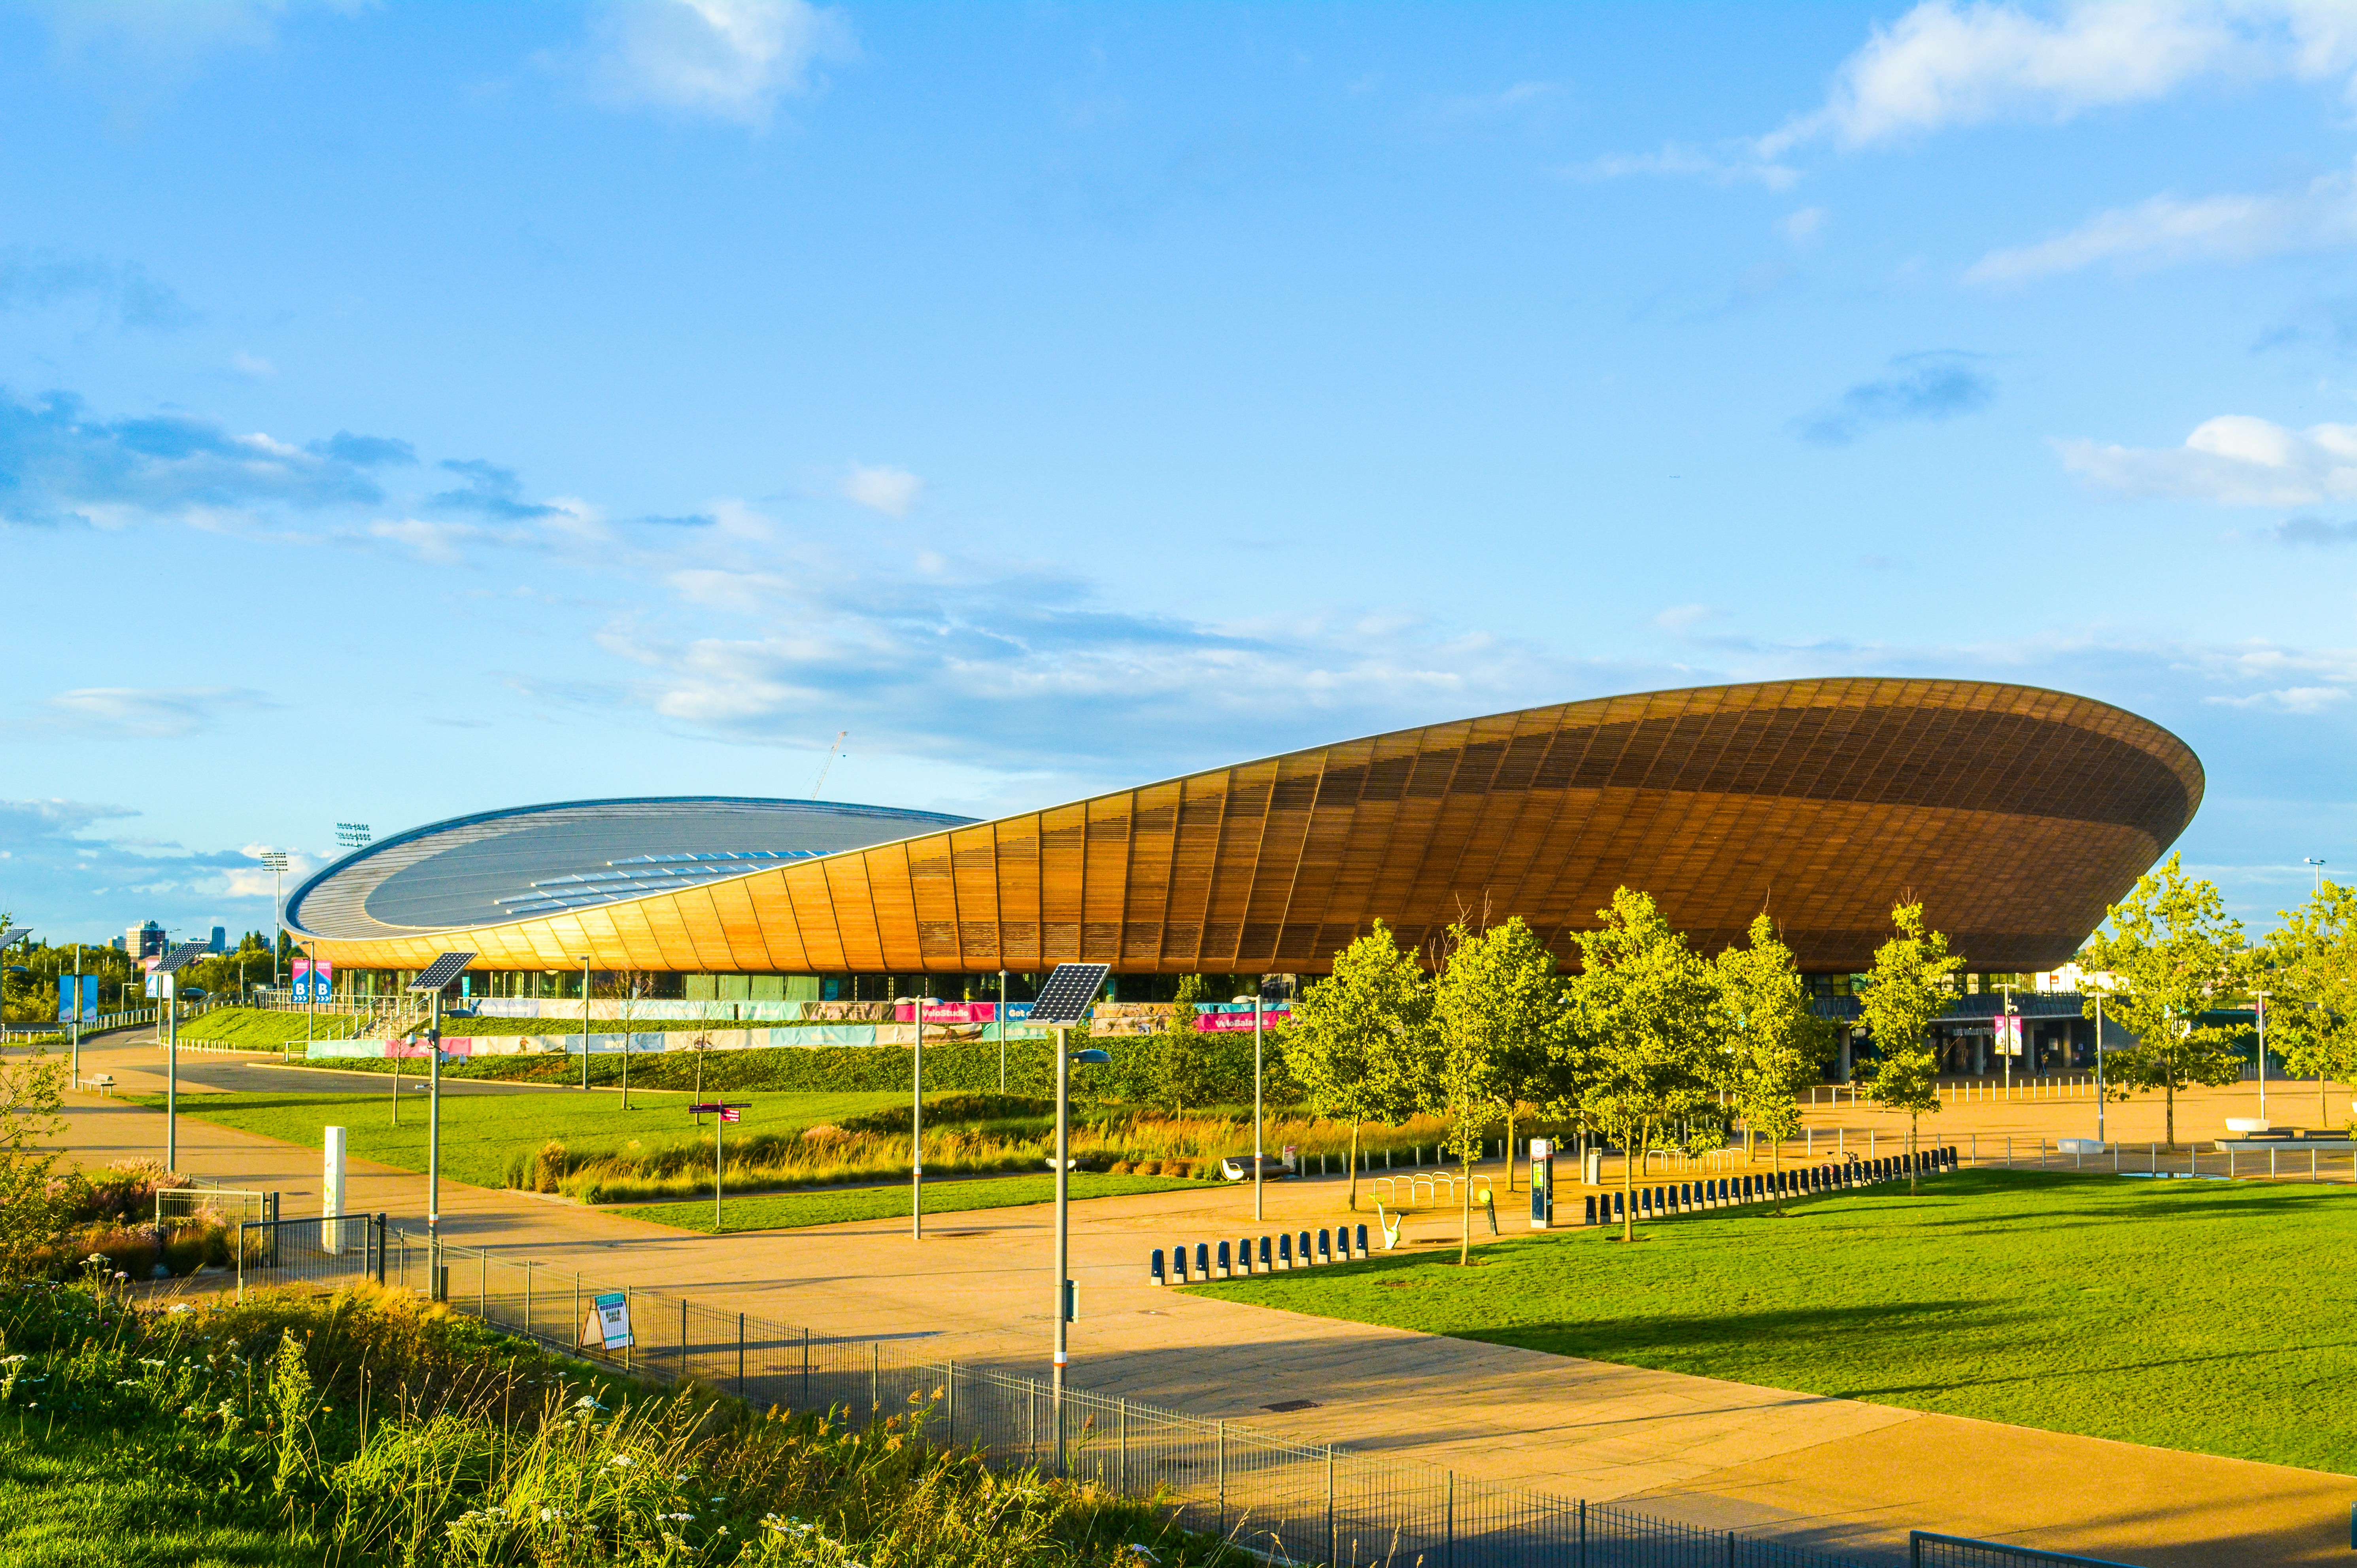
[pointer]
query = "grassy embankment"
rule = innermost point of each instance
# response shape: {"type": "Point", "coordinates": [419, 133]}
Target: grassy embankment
{"type": "Point", "coordinates": [588, 1147]}
{"type": "Point", "coordinates": [261, 1029]}
{"type": "Point", "coordinates": [368, 1429]}
{"type": "Point", "coordinates": [2193, 1314]}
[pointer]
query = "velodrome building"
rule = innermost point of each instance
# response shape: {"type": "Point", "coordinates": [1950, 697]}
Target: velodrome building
{"type": "Point", "coordinates": [2015, 814]}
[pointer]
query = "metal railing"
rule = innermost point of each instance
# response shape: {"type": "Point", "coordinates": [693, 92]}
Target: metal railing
{"type": "Point", "coordinates": [1925, 1550]}
{"type": "Point", "coordinates": [1295, 1502]}
{"type": "Point", "coordinates": [230, 1205]}
{"type": "Point", "coordinates": [342, 1251]}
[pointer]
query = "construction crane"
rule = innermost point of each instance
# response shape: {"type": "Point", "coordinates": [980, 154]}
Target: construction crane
{"type": "Point", "coordinates": [831, 753]}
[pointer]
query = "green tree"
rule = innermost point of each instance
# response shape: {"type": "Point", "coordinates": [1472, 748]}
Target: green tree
{"type": "Point", "coordinates": [1183, 1066]}
{"type": "Point", "coordinates": [2310, 968]}
{"type": "Point", "coordinates": [1651, 1032]}
{"type": "Point", "coordinates": [36, 1205]}
{"type": "Point", "coordinates": [1907, 987]}
{"type": "Point", "coordinates": [1361, 1042]}
{"type": "Point", "coordinates": [1776, 1045]}
{"type": "Point", "coordinates": [1482, 1008]}
{"type": "Point", "coordinates": [2177, 953]}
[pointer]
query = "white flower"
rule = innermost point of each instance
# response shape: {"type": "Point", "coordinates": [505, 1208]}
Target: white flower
{"type": "Point", "coordinates": [622, 1459]}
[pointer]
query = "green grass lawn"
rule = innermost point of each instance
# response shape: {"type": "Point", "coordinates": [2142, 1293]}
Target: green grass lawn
{"type": "Point", "coordinates": [266, 1030]}
{"type": "Point", "coordinates": [480, 1133]}
{"type": "Point", "coordinates": [788, 1211]}
{"type": "Point", "coordinates": [2192, 1315]}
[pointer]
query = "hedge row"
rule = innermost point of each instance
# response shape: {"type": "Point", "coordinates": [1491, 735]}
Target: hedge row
{"type": "Point", "coordinates": [1220, 1069]}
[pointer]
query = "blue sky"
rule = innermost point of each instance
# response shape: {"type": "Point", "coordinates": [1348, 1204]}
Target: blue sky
{"type": "Point", "coordinates": [407, 411]}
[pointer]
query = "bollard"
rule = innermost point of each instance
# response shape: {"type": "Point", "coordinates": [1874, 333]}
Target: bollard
{"type": "Point", "coordinates": [1226, 1267]}
{"type": "Point", "coordinates": [1326, 1246]}
{"type": "Point", "coordinates": [1154, 1274]}
{"type": "Point", "coordinates": [1178, 1264]}
{"type": "Point", "coordinates": [1361, 1250]}
{"type": "Point", "coordinates": [1202, 1261]}
{"type": "Point", "coordinates": [1301, 1249]}
{"type": "Point", "coordinates": [1266, 1263]}
{"type": "Point", "coordinates": [1590, 1219]}
{"type": "Point", "coordinates": [1243, 1255]}
{"type": "Point", "coordinates": [1285, 1248]}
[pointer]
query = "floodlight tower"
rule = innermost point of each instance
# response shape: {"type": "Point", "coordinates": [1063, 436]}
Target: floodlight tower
{"type": "Point", "coordinates": [275, 859]}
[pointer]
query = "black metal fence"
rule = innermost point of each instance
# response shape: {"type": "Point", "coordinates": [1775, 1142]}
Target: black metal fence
{"type": "Point", "coordinates": [1925, 1550]}
{"type": "Point", "coordinates": [1295, 1502]}
{"type": "Point", "coordinates": [341, 1251]}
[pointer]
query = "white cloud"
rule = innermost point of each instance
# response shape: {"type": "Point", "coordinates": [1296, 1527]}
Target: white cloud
{"type": "Point", "coordinates": [1942, 65]}
{"type": "Point", "coordinates": [2168, 229]}
{"type": "Point", "coordinates": [127, 712]}
{"type": "Point", "coordinates": [1738, 164]}
{"type": "Point", "coordinates": [2289, 699]}
{"type": "Point", "coordinates": [729, 59]}
{"type": "Point", "coordinates": [434, 543]}
{"type": "Point", "coordinates": [252, 365]}
{"type": "Point", "coordinates": [1803, 227]}
{"type": "Point", "coordinates": [2232, 460]}
{"type": "Point", "coordinates": [891, 491]}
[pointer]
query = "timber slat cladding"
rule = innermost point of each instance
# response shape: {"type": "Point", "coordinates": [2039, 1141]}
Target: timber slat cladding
{"type": "Point", "coordinates": [2016, 814]}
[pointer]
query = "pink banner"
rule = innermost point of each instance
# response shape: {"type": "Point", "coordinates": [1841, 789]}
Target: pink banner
{"type": "Point", "coordinates": [948, 1013]}
{"type": "Point", "coordinates": [1229, 1023]}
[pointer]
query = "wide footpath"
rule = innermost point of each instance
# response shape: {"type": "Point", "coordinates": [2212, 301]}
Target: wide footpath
{"type": "Point", "coordinates": [1833, 1472]}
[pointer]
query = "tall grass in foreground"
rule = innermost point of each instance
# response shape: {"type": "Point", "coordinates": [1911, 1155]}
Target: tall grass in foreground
{"type": "Point", "coordinates": [965, 1135]}
{"type": "Point", "coordinates": [367, 1428]}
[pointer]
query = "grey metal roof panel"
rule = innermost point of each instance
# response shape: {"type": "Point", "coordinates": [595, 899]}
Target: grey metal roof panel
{"type": "Point", "coordinates": [497, 867]}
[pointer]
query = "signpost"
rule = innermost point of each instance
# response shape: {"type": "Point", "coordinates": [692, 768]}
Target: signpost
{"type": "Point", "coordinates": [728, 1111]}
{"type": "Point", "coordinates": [607, 1326]}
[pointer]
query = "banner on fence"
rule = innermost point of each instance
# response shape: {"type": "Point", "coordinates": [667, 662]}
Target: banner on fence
{"type": "Point", "coordinates": [608, 1323]}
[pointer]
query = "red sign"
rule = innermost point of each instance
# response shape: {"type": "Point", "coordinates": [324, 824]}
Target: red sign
{"type": "Point", "coordinates": [1228, 1022]}
{"type": "Point", "coordinates": [730, 1114]}
{"type": "Point", "coordinates": [948, 1013]}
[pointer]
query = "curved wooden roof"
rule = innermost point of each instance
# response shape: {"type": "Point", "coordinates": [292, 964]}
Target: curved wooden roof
{"type": "Point", "coordinates": [2015, 814]}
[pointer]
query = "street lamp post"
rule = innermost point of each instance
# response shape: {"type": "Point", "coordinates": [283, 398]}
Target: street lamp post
{"type": "Point", "coordinates": [2011, 1041]}
{"type": "Point", "coordinates": [2261, 998]}
{"type": "Point", "coordinates": [585, 1023]}
{"type": "Point", "coordinates": [1065, 1058]}
{"type": "Point", "coordinates": [916, 1005]}
{"type": "Point", "coordinates": [2099, 1067]}
{"type": "Point", "coordinates": [2311, 860]}
{"type": "Point", "coordinates": [1256, 1105]}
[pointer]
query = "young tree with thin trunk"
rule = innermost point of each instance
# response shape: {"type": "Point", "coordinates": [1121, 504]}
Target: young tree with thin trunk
{"type": "Point", "coordinates": [1651, 1026]}
{"type": "Point", "coordinates": [1905, 989]}
{"type": "Point", "coordinates": [2178, 954]}
{"type": "Point", "coordinates": [1183, 1062]}
{"type": "Point", "coordinates": [2310, 973]}
{"type": "Point", "coordinates": [1777, 1046]}
{"type": "Point", "coordinates": [1482, 1002]}
{"type": "Point", "coordinates": [1361, 1042]}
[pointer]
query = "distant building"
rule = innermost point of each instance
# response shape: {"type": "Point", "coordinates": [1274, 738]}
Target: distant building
{"type": "Point", "coordinates": [220, 942]}
{"type": "Point", "coordinates": [144, 941]}
{"type": "Point", "coordinates": [118, 945]}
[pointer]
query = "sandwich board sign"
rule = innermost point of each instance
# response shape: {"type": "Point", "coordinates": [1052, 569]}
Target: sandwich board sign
{"type": "Point", "coordinates": [608, 1323]}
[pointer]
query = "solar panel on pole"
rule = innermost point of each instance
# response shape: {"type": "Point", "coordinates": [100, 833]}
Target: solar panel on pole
{"type": "Point", "coordinates": [1064, 999]}
{"type": "Point", "coordinates": [14, 934]}
{"type": "Point", "coordinates": [442, 972]}
{"type": "Point", "coordinates": [182, 956]}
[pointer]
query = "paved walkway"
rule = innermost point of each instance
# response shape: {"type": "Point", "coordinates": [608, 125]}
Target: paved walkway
{"type": "Point", "coordinates": [1832, 1472]}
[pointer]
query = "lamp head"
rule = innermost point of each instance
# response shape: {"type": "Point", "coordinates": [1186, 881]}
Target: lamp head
{"type": "Point", "coordinates": [1092, 1057]}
